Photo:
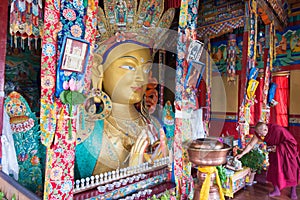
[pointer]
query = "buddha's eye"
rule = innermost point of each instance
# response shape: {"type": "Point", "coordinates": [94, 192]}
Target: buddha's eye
{"type": "Point", "coordinates": [127, 67]}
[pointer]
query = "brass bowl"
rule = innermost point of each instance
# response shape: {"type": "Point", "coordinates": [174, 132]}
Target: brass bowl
{"type": "Point", "coordinates": [206, 143]}
{"type": "Point", "coordinates": [208, 155]}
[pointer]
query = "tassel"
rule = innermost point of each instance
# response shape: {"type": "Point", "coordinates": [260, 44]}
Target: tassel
{"type": "Point", "coordinates": [85, 3]}
{"type": "Point", "coordinates": [16, 42]}
{"type": "Point", "coordinates": [92, 4]}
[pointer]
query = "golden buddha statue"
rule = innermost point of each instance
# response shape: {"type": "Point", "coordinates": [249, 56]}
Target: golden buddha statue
{"type": "Point", "coordinates": [112, 132]}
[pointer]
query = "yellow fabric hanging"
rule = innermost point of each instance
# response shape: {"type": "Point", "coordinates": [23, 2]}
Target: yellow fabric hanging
{"type": "Point", "coordinates": [92, 4]}
{"type": "Point", "coordinates": [252, 86]}
{"type": "Point", "coordinates": [204, 192]}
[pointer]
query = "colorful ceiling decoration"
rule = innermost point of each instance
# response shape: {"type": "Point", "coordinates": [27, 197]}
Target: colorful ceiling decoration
{"type": "Point", "coordinates": [220, 28]}
{"type": "Point", "coordinates": [219, 17]}
{"type": "Point", "coordinates": [26, 22]}
{"type": "Point", "coordinates": [274, 11]}
{"type": "Point", "coordinates": [280, 7]}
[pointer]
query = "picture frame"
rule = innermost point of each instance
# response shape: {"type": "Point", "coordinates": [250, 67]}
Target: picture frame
{"type": "Point", "coordinates": [195, 50]}
{"type": "Point", "coordinates": [194, 74]}
{"type": "Point", "coordinates": [74, 54]}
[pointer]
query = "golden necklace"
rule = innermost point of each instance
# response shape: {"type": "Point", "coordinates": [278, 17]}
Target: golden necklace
{"type": "Point", "coordinates": [128, 130]}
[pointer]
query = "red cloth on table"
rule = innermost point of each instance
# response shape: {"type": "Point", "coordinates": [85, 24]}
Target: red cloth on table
{"type": "Point", "coordinates": [284, 169]}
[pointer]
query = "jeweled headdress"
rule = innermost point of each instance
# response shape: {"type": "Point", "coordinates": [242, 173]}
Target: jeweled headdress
{"type": "Point", "coordinates": [121, 22]}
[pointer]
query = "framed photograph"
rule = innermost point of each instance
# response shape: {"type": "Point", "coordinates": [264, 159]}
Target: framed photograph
{"type": "Point", "coordinates": [195, 50]}
{"type": "Point", "coordinates": [194, 75]}
{"type": "Point", "coordinates": [74, 55]}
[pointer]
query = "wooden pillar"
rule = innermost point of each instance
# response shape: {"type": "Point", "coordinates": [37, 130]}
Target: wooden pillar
{"type": "Point", "coordinates": [3, 40]}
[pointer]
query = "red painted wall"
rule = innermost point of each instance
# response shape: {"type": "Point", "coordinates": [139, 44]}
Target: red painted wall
{"type": "Point", "coordinates": [3, 34]}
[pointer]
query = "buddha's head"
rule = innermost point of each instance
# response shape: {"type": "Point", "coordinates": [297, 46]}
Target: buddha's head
{"type": "Point", "coordinates": [126, 71]}
{"type": "Point", "coordinates": [126, 46]}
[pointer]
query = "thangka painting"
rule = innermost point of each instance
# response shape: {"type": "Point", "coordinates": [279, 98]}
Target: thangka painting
{"type": "Point", "coordinates": [219, 52]}
{"type": "Point", "coordinates": [22, 74]}
{"type": "Point", "coordinates": [288, 46]}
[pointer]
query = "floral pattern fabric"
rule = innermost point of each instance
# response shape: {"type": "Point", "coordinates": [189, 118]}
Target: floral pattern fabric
{"type": "Point", "coordinates": [76, 19]}
{"type": "Point", "coordinates": [29, 150]}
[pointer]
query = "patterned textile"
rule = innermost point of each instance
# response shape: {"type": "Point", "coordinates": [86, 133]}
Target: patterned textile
{"type": "Point", "coordinates": [26, 21]}
{"type": "Point", "coordinates": [57, 125]}
{"type": "Point", "coordinates": [182, 166]}
{"type": "Point", "coordinates": [49, 59]}
{"type": "Point", "coordinates": [244, 111]}
{"type": "Point", "coordinates": [27, 143]}
{"type": "Point", "coordinates": [231, 57]}
{"type": "Point", "coordinates": [266, 110]}
{"type": "Point", "coordinates": [72, 17]}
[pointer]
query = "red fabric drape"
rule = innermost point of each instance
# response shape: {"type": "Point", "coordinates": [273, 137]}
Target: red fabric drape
{"type": "Point", "coordinates": [279, 113]}
{"type": "Point", "coordinates": [172, 4]}
{"type": "Point", "coordinates": [256, 109]}
{"type": "Point", "coordinates": [202, 94]}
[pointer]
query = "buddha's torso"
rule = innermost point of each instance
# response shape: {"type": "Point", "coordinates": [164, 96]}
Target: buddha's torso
{"type": "Point", "coordinates": [117, 142]}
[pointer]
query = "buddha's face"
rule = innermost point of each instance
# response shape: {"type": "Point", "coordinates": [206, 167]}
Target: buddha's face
{"type": "Point", "coordinates": [126, 75]}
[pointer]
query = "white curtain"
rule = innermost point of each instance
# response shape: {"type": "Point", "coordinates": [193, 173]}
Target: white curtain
{"type": "Point", "coordinates": [9, 159]}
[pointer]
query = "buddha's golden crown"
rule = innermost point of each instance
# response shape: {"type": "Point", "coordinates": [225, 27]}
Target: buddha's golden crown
{"type": "Point", "coordinates": [121, 22]}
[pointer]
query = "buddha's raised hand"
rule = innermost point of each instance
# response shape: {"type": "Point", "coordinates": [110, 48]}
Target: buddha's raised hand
{"type": "Point", "coordinates": [138, 149]}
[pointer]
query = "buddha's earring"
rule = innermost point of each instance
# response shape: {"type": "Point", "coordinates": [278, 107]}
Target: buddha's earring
{"type": "Point", "coordinates": [98, 104]}
{"type": "Point", "coordinates": [143, 108]}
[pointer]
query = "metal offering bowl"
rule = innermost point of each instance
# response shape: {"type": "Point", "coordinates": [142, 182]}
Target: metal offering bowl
{"type": "Point", "coordinates": [208, 152]}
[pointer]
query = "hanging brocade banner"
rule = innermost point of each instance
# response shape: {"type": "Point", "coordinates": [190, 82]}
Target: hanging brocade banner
{"type": "Point", "coordinates": [265, 115]}
{"type": "Point", "coordinates": [208, 86]}
{"type": "Point", "coordinates": [161, 78]}
{"type": "Point", "coordinates": [253, 35]}
{"type": "Point", "coordinates": [183, 105]}
{"type": "Point", "coordinates": [76, 19]}
{"type": "Point", "coordinates": [26, 22]}
{"type": "Point", "coordinates": [231, 58]}
{"type": "Point", "coordinates": [244, 116]}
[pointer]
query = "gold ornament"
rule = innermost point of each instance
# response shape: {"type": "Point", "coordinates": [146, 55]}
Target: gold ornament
{"type": "Point", "coordinates": [97, 105]}
{"type": "Point", "coordinates": [121, 22]}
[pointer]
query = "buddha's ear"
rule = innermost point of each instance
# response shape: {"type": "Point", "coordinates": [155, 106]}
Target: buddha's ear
{"type": "Point", "coordinates": [97, 59]}
{"type": "Point", "coordinates": [97, 72]}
